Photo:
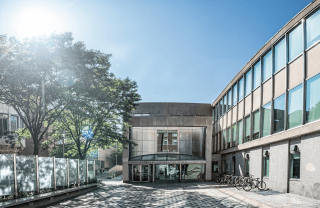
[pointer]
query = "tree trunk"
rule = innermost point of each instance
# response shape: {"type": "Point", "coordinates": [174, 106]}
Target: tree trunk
{"type": "Point", "coordinates": [36, 146]}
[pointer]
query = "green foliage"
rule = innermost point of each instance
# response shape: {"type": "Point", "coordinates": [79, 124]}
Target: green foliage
{"type": "Point", "coordinates": [113, 160]}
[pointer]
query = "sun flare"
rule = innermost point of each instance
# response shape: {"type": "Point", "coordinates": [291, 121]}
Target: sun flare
{"type": "Point", "coordinates": [35, 21]}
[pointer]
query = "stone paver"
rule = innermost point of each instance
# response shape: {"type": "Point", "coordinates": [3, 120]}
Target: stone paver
{"type": "Point", "coordinates": [117, 194]}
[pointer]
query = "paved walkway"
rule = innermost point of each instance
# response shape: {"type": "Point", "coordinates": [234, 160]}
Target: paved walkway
{"type": "Point", "coordinates": [114, 193]}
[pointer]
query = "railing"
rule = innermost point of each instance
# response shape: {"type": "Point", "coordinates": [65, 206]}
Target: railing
{"type": "Point", "coordinates": [22, 176]}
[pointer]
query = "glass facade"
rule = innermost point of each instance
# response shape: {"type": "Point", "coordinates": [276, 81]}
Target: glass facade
{"type": "Point", "coordinates": [225, 103]}
{"type": "Point", "coordinates": [295, 165]}
{"type": "Point", "coordinates": [247, 129]}
{"type": "Point", "coordinates": [295, 42]}
{"type": "Point", "coordinates": [256, 75]}
{"type": "Point", "coordinates": [235, 94]}
{"type": "Point", "coordinates": [228, 137]}
{"type": "Point", "coordinates": [295, 107]}
{"type": "Point", "coordinates": [221, 107]}
{"type": "Point", "coordinates": [229, 99]}
{"type": "Point", "coordinates": [280, 55]}
{"type": "Point", "coordinates": [14, 123]}
{"type": "Point", "coordinates": [256, 125]}
{"type": "Point", "coordinates": [266, 120]}
{"type": "Point", "coordinates": [167, 141]}
{"type": "Point", "coordinates": [279, 114]}
{"type": "Point", "coordinates": [248, 82]}
{"type": "Point", "coordinates": [239, 132]}
{"type": "Point", "coordinates": [313, 29]}
{"type": "Point", "coordinates": [234, 134]}
{"type": "Point", "coordinates": [313, 99]}
{"type": "Point", "coordinates": [241, 89]}
{"type": "Point", "coordinates": [3, 124]}
{"type": "Point", "coordinates": [267, 66]}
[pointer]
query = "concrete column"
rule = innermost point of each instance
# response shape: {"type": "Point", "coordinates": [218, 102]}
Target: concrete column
{"type": "Point", "coordinates": [208, 151]}
{"type": "Point", "coordinates": [125, 159]}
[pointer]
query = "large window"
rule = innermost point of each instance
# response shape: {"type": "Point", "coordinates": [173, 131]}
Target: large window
{"type": "Point", "coordinates": [3, 124]}
{"type": "Point", "coordinates": [167, 141]}
{"type": "Point", "coordinates": [239, 132]}
{"type": "Point", "coordinates": [266, 166]}
{"type": "Point", "coordinates": [256, 125]}
{"type": "Point", "coordinates": [234, 134]}
{"type": "Point", "coordinates": [224, 137]}
{"type": "Point", "coordinates": [14, 123]}
{"type": "Point", "coordinates": [295, 107]}
{"type": "Point", "coordinates": [279, 114]}
{"type": "Point", "coordinates": [313, 99]}
{"type": "Point", "coordinates": [280, 55]}
{"type": "Point", "coordinates": [266, 119]}
{"type": "Point", "coordinates": [213, 115]}
{"type": "Point", "coordinates": [229, 99]}
{"type": "Point", "coordinates": [295, 165]}
{"type": "Point", "coordinates": [221, 107]}
{"type": "Point", "coordinates": [224, 104]}
{"type": "Point", "coordinates": [247, 129]}
{"type": "Point", "coordinates": [267, 66]}
{"type": "Point", "coordinates": [235, 94]}
{"type": "Point", "coordinates": [248, 82]}
{"type": "Point", "coordinates": [256, 75]}
{"type": "Point", "coordinates": [313, 28]}
{"type": "Point", "coordinates": [241, 89]}
{"type": "Point", "coordinates": [229, 137]}
{"type": "Point", "coordinates": [295, 42]}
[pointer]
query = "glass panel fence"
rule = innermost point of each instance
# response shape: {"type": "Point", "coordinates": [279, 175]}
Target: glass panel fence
{"type": "Point", "coordinates": [73, 171]}
{"type": "Point", "coordinates": [6, 175]}
{"type": "Point", "coordinates": [90, 170]}
{"type": "Point", "coordinates": [46, 177]}
{"type": "Point", "coordinates": [61, 172]}
{"type": "Point", "coordinates": [83, 171]}
{"type": "Point", "coordinates": [26, 173]}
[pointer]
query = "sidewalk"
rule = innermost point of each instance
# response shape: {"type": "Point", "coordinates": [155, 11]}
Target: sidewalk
{"type": "Point", "coordinates": [268, 198]}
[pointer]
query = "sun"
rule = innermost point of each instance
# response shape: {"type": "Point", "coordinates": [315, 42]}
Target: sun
{"type": "Point", "coordinates": [36, 21]}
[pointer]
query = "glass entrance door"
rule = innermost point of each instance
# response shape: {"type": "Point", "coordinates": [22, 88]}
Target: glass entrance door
{"type": "Point", "coordinates": [167, 173]}
{"type": "Point", "coordinates": [136, 172]}
{"type": "Point", "coordinates": [150, 173]}
{"type": "Point", "coordinates": [144, 173]}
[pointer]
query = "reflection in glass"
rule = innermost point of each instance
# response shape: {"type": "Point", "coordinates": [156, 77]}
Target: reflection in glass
{"type": "Point", "coordinates": [295, 42]}
{"type": "Point", "coordinates": [224, 137]}
{"type": "Point", "coordinates": [279, 55]}
{"type": "Point", "coordinates": [267, 66]}
{"type": "Point", "coordinates": [91, 174]}
{"type": "Point", "coordinates": [234, 134]}
{"type": "Point", "coordinates": [278, 113]}
{"type": "Point", "coordinates": [256, 125]}
{"type": "Point", "coordinates": [167, 141]}
{"type": "Point", "coordinates": [3, 124]}
{"type": "Point", "coordinates": [14, 123]}
{"type": "Point", "coordinates": [225, 104]}
{"type": "Point", "coordinates": [235, 94]}
{"type": "Point", "coordinates": [192, 171]}
{"type": "Point", "coordinates": [228, 137]}
{"type": "Point", "coordinates": [266, 166]}
{"type": "Point", "coordinates": [248, 82]}
{"type": "Point", "coordinates": [46, 179]}
{"type": "Point", "coordinates": [313, 99]}
{"type": "Point", "coordinates": [247, 129]}
{"type": "Point", "coordinates": [6, 175]}
{"type": "Point", "coordinates": [229, 99]}
{"type": "Point", "coordinates": [61, 171]}
{"type": "Point", "coordinates": [241, 89]}
{"type": "Point", "coordinates": [266, 119]}
{"type": "Point", "coordinates": [313, 28]}
{"type": "Point", "coordinates": [295, 165]}
{"type": "Point", "coordinates": [83, 171]}
{"type": "Point", "coordinates": [136, 172]}
{"type": "Point", "coordinates": [221, 107]}
{"type": "Point", "coordinates": [256, 75]}
{"type": "Point", "coordinates": [26, 173]}
{"type": "Point", "coordinates": [73, 171]}
{"type": "Point", "coordinates": [295, 107]}
{"type": "Point", "coordinates": [167, 172]}
{"type": "Point", "coordinates": [240, 132]}
{"type": "Point", "coordinates": [145, 172]}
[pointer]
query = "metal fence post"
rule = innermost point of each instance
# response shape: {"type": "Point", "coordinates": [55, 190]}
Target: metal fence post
{"type": "Point", "coordinates": [54, 173]}
{"type": "Point", "coordinates": [68, 172]}
{"type": "Point", "coordinates": [87, 175]}
{"type": "Point", "coordinates": [78, 173]}
{"type": "Point", "coordinates": [94, 168]}
{"type": "Point", "coordinates": [37, 174]}
{"type": "Point", "coordinates": [15, 176]}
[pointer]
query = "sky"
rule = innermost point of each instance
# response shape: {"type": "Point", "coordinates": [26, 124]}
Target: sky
{"type": "Point", "coordinates": [176, 50]}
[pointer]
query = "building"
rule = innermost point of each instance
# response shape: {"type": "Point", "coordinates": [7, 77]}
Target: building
{"type": "Point", "coordinates": [266, 121]}
{"type": "Point", "coordinates": [169, 137]}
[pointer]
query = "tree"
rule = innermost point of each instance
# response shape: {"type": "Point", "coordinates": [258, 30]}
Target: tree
{"type": "Point", "coordinates": [27, 70]}
{"type": "Point", "coordinates": [115, 158]}
{"type": "Point", "coordinates": [100, 102]}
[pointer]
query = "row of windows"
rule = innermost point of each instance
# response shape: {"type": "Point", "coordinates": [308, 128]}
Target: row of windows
{"type": "Point", "coordinates": [271, 62]}
{"type": "Point", "coordinates": [4, 124]}
{"type": "Point", "coordinates": [240, 132]}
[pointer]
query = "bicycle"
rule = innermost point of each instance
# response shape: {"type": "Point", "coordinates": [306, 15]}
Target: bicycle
{"type": "Point", "coordinates": [251, 183]}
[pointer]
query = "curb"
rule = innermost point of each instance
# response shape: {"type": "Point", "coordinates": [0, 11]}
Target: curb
{"type": "Point", "coordinates": [243, 198]}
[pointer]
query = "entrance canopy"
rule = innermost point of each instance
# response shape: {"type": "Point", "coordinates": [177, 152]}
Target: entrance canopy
{"type": "Point", "coordinates": [166, 159]}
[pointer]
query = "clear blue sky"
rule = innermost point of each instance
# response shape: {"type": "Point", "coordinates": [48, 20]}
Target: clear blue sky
{"type": "Point", "coordinates": [176, 50]}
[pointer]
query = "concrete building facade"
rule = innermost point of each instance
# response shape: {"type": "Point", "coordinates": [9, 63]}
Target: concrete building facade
{"type": "Point", "coordinates": [266, 121]}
